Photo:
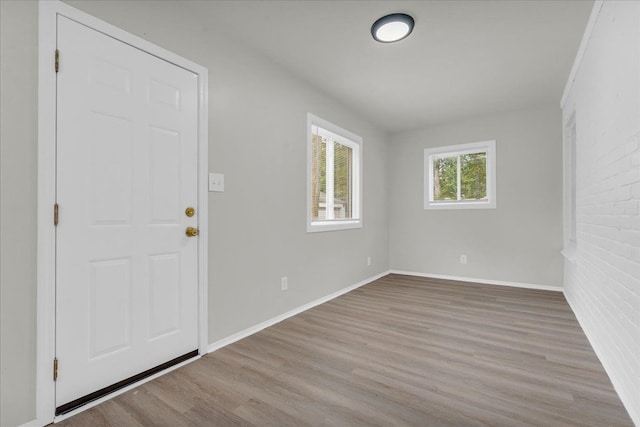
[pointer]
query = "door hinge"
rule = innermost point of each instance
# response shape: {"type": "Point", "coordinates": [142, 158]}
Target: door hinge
{"type": "Point", "coordinates": [55, 369]}
{"type": "Point", "coordinates": [57, 60]}
{"type": "Point", "coordinates": [55, 214]}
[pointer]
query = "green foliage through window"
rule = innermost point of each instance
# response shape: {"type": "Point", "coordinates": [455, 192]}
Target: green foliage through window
{"type": "Point", "coordinates": [460, 177]}
{"type": "Point", "coordinates": [473, 176]}
{"type": "Point", "coordinates": [343, 159]}
{"type": "Point", "coordinates": [342, 164]}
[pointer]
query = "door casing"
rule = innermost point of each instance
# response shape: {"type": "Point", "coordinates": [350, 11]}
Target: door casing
{"type": "Point", "coordinates": [45, 317]}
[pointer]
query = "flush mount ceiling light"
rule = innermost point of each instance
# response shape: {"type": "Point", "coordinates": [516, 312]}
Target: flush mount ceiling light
{"type": "Point", "coordinates": [392, 28]}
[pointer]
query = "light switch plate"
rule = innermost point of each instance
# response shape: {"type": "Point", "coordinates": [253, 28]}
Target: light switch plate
{"type": "Point", "coordinates": [216, 182]}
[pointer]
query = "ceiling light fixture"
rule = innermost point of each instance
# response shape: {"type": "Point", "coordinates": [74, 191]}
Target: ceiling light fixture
{"type": "Point", "coordinates": [392, 28]}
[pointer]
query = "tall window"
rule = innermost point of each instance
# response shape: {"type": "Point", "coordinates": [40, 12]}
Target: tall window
{"type": "Point", "coordinates": [460, 176]}
{"type": "Point", "coordinates": [334, 184]}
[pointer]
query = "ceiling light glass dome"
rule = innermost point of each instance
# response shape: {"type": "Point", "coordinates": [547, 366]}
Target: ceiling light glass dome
{"type": "Point", "coordinates": [392, 28]}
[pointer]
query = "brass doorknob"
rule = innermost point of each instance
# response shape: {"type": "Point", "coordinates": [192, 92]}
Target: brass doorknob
{"type": "Point", "coordinates": [189, 212]}
{"type": "Point", "coordinates": [191, 232]}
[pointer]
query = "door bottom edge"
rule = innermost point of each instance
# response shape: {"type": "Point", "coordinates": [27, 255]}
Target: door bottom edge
{"type": "Point", "coordinates": [91, 397]}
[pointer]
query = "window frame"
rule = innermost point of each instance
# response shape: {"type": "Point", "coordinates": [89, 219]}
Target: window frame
{"type": "Point", "coordinates": [455, 150]}
{"type": "Point", "coordinates": [569, 157]}
{"type": "Point", "coordinates": [353, 141]}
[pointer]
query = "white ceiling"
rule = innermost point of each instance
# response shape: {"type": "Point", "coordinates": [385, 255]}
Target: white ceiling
{"type": "Point", "coordinates": [463, 59]}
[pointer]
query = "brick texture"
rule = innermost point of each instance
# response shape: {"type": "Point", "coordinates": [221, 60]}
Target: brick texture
{"type": "Point", "coordinates": [602, 283]}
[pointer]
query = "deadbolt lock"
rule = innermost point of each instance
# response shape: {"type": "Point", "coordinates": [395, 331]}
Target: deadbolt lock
{"type": "Point", "coordinates": [191, 232]}
{"type": "Point", "coordinates": [190, 212]}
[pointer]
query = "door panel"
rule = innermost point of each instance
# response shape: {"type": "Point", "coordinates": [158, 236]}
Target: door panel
{"type": "Point", "coordinates": [111, 168]}
{"type": "Point", "coordinates": [126, 273]}
{"type": "Point", "coordinates": [164, 295]}
{"type": "Point", "coordinates": [110, 307]}
{"type": "Point", "coordinates": [165, 176]}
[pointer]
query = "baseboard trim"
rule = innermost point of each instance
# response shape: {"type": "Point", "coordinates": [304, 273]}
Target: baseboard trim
{"type": "Point", "coordinates": [482, 281]}
{"type": "Point", "coordinates": [277, 319]}
{"type": "Point", "coordinates": [35, 423]}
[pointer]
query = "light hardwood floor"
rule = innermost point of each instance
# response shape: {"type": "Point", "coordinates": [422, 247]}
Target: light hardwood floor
{"type": "Point", "coordinates": [399, 351]}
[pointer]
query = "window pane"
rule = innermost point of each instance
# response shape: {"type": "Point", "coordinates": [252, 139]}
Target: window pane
{"type": "Point", "coordinates": [334, 186]}
{"type": "Point", "coordinates": [318, 177]}
{"type": "Point", "coordinates": [342, 181]}
{"type": "Point", "coordinates": [460, 176]}
{"type": "Point", "coordinates": [445, 178]}
{"type": "Point", "coordinates": [473, 176]}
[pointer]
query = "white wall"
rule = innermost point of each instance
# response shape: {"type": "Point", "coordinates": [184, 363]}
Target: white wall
{"type": "Point", "coordinates": [602, 284]}
{"type": "Point", "coordinates": [257, 130]}
{"type": "Point", "coordinates": [257, 138]}
{"type": "Point", "coordinates": [520, 240]}
{"type": "Point", "coordinates": [18, 161]}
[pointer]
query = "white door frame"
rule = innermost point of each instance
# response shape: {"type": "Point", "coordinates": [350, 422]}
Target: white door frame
{"type": "Point", "coordinates": [45, 322]}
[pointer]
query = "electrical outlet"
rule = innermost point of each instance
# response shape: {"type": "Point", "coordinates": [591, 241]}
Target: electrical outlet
{"type": "Point", "coordinates": [284, 283]}
{"type": "Point", "coordinates": [463, 259]}
{"type": "Point", "coordinates": [368, 260]}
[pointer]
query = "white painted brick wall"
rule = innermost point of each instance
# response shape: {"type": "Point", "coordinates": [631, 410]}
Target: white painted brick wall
{"type": "Point", "coordinates": [603, 283]}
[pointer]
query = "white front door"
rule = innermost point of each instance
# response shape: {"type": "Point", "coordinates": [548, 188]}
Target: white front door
{"type": "Point", "coordinates": [126, 272]}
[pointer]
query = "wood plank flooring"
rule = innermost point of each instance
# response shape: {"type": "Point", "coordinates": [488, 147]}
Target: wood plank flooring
{"type": "Point", "coordinates": [401, 351]}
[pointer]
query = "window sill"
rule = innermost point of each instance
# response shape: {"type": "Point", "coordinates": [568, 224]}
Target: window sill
{"type": "Point", "coordinates": [320, 226]}
{"type": "Point", "coordinates": [569, 252]}
{"type": "Point", "coordinates": [460, 205]}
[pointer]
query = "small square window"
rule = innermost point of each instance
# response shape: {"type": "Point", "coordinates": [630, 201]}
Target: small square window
{"type": "Point", "coordinates": [460, 176]}
{"type": "Point", "coordinates": [334, 190]}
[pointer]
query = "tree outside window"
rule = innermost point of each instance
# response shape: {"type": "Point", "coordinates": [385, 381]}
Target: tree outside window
{"type": "Point", "coordinates": [334, 177]}
{"type": "Point", "coordinates": [460, 176]}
